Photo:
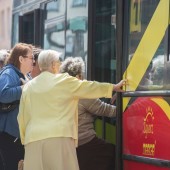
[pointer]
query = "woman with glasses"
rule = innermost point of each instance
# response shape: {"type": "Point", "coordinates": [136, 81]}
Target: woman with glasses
{"type": "Point", "coordinates": [12, 79]}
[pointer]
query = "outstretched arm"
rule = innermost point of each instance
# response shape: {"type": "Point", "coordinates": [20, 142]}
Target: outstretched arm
{"type": "Point", "coordinates": [118, 87]}
{"type": "Point", "coordinates": [96, 107]}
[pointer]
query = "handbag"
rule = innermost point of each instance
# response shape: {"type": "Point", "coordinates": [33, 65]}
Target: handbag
{"type": "Point", "coordinates": [7, 107]}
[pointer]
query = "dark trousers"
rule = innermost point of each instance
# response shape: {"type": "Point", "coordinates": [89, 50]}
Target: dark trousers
{"type": "Point", "coordinates": [96, 155]}
{"type": "Point", "coordinates": [11, 152]}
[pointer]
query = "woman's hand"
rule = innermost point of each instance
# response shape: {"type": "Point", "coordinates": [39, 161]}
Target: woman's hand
{"type": "Point", "coordinates": [118, 87]}
{"type": "Point", "coordinates": [113, 99]}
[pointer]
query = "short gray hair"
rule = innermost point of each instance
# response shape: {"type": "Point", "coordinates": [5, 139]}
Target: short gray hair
{"type": "Point", "coordinates": [3, 57]}
{"type": "Point", "coordinates": [72, 66]}
{"type": "Point", "coordinates": [46, 57]}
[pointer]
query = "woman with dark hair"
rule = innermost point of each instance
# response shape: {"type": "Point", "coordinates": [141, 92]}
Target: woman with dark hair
{"type": "Point", "coordinates": [93, 153]}
{"type": "Point", "coordinates": [12, 79]}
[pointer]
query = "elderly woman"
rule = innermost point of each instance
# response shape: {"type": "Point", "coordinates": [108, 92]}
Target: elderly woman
{"type": "Point", "coordinates": [3, 57]}
{"type": "Point", "coordinates": [93, 153]}
{"type": "Point", "coordinates": [48, 117]}
{"type": "Point", "coordinates": [19, 63]}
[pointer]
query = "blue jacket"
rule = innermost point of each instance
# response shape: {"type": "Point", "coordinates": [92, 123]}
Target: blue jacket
{"type": "Point", "coordinates": [10, 91]}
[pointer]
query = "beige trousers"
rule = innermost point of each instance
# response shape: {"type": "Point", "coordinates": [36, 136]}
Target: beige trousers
{"type": "Point", "coordinates": [51, 154]}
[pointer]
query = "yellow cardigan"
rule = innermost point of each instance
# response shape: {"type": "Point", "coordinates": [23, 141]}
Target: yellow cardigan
{"type": "Point", "coordinates": [49, 105]}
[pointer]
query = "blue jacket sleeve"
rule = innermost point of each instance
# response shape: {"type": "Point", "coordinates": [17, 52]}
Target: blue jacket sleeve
{"type": "Point", "coordinates": [10, 86]}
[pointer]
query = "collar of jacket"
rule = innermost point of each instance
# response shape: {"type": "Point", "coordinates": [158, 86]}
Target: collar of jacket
{"type": "Point", "coordinates": [14, 68]}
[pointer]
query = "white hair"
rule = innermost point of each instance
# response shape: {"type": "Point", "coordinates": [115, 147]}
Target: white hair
{"type": "Point", "coordinates": [72, 66]}
{"type": "Point", "coordinates": [3, 57]}
{"type": "Point", "coordinates": [3, 53]}
{"type": "Point", "coordinates": [46, 58]}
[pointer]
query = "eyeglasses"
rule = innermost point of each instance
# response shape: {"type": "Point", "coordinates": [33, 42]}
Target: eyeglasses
{"type": "Point", "coordinates": [31, 58]}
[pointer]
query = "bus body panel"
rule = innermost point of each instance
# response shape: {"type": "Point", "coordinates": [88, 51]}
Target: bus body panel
{"type": "Point", "coordinates": [141, 166]}
{"type": "Point", "coordinates": [146, 124]}
{"type": "Point", "coordinates": [145, 127]}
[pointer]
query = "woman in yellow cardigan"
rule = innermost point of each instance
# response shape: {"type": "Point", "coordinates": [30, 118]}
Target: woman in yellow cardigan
{"type": "Point", "coordinates": [48, 114]}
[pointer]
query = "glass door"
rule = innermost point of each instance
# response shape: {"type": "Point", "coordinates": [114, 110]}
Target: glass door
{"type": "Point", "coordinates": [104, 58]}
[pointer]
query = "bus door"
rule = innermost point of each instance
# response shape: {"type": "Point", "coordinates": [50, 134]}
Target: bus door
{"type": "Point", "coordinates": [103, 58]}
{"type": "Point", "coordinates": [145, 113]}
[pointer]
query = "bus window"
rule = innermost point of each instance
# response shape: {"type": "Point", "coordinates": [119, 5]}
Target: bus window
{"type": "Point", "coordinates": [140, 16]}
{"type": "Point", "coordinates": [154, 76]}
{"type": "Point", "coordinates": [17, 3]}
{"type": "Point", "coordinates": [147, 57]}
{"type": "Point", "coordinates": [77, 29]}
{"type": "Point", "coordinates": [54, 27]}
{"type": "Point", "coordinates": [104, 58]}
{"type": "Point", "coordinates": [54, 35]}
{"type": "Point", "coordinates": [54, 9]}
{"type": "Point", "coordinates": [104, 42]}
{"type": "Point", "coordinates": [79, 3]}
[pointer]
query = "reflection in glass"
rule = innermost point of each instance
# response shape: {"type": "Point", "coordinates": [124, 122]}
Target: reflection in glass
{"type": "Point", "coordinates": [77, 32]}
{"type": "Point", "coordinates": [79, 3]}
{"type": "Point", "coordinates": [158, 71]}
{"type": "Point", "coordinates": [104, 51]}
{"type": "Point", "coordinates": [54, 35]}
{"type": "Point", "coordinates": [140, 16]}
{"type": "Point", "coordinates": [141, 13]}
{"type": "Point", "coordinates": [54, 9]}
{"type": "Point", "coordinates": [16, 3]}
{"type": "Point", "coordinates": [54, 27]}
{"type": "Point", "coordinates": [153, 78]}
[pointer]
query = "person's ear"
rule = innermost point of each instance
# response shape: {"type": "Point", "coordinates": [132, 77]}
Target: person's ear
{"type": "Point", "coordinates": [53, 65]}
{"type": "Point", "coordinates": [20, 59]}
{"type": "Point", "coordinates": [78, 76]}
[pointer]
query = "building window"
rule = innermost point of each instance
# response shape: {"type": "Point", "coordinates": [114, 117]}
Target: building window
{"type": "Point", "coordinates": [16, 3]}
{"type": "Point", "coordinates": [79, 3]}
{"type": "Point", "coordinates": [2, 23]}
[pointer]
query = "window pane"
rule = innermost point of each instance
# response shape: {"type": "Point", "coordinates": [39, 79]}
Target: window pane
{"type": "Point", "coordinates": [79, 3]}
{"type": "Point", "coordinates": [141, 13]}
{"type": "Point", "coordinates": [105, 57]}
{"type": "Point", "coordinates": [54, 9]}
{"type": "Point", "coordinates": [141, 17]}
{"type": "Point", "coordinates": [54, 27]}
{"type": "Point", "coordinates": [77, 32]}
{"type": "Point", "coordinates": [16, 3]}
{"type": "Point", "coordinates": [54, 35]}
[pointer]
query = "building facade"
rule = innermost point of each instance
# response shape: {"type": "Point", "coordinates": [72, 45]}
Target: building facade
{"type": "Point", "coordinates": [5, 23]}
